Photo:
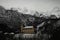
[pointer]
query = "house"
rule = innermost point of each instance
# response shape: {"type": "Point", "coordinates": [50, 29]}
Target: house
{"type": "Point", "coordinates": [27, 30]}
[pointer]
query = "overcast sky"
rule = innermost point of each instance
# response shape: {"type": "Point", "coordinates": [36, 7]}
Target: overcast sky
{"type": "Point", "coordinates": [40, 5]}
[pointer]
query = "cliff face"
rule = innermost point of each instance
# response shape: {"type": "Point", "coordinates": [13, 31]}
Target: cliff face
{"type": "Point", "coordinates": [10, 17]}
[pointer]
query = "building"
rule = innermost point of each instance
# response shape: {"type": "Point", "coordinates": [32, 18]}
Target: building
{"type": "Point", "coordinates": [27, 30]}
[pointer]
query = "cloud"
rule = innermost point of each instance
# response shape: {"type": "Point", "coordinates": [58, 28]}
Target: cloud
{"type": "Point", "coordinates": [31, 4]}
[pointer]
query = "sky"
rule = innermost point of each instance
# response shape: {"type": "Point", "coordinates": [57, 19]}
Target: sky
{"type": "Point", "coordinates": [39, 5]}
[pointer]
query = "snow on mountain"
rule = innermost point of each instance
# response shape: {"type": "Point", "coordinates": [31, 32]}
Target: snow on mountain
{"type": "Point", "coordinates": [56, 11]}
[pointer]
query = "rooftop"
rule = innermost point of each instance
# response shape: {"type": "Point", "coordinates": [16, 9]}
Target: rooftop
{"type": "Point", "coordinates": [28, 27]}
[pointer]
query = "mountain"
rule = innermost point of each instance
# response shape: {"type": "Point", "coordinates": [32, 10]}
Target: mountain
{"type": "Point", "coordinates": [55, 11]}
{"type": "Point", "coordinates": [13, 18]}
